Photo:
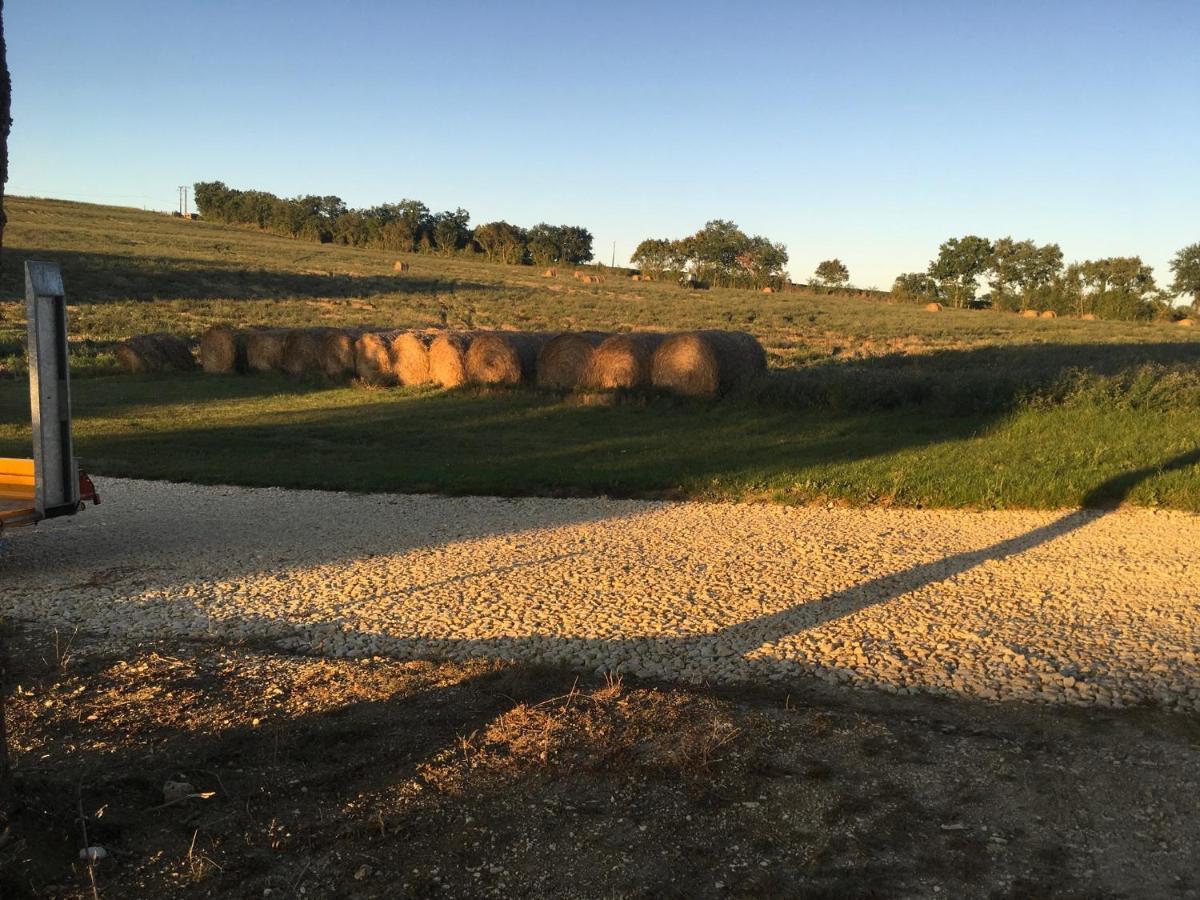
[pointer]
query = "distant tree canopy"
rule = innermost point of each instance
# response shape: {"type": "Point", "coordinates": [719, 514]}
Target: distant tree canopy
{"type": "Point", "coordinates": [404, 227]}
{"type": "Point", "coordinates": [719, 253]}
{"type": "Point", "coordinates": [833, 273]}
{"type": "Point", "coordinates": [1186, 269]}
{"type": "Point", "coordinates": [1023, 275]}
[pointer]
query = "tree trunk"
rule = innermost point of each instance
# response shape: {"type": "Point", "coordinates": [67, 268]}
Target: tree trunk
{"type": "Point", "coordinates": [5, 126]}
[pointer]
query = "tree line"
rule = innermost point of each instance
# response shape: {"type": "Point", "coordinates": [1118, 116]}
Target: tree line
{"type": "Point", "coordinates": [405, 227]}
{"type": "Point", "coordinates": [719, 254]}
{"type": "Point", "coordinates": [1023, 275]}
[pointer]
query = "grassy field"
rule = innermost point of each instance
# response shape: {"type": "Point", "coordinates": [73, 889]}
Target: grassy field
{"type": "Point", "coordinates": [867, 402]}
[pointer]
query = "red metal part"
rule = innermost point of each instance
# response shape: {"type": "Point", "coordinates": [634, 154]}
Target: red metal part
{"type": "Point", "coordinates": [87, 490]}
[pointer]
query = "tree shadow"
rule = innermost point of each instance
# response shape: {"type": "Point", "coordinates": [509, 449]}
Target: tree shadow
{"type": "Point", "coordinates": [98, 278]}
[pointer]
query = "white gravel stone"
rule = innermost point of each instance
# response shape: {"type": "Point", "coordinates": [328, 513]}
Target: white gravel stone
{"type": "Point", "coordinates": [1056, 607]}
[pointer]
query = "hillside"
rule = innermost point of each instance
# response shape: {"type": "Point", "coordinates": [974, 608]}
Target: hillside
{"type": "Point", "coordinates": [129, 271]}
{"type": "Point", "coordinates": [867, 402]}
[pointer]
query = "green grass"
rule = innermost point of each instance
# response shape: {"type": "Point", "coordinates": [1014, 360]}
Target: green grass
{"type": "Point", "coordinates": [867, 402]}
{"type": "Point", "coordinates": [269, 431]}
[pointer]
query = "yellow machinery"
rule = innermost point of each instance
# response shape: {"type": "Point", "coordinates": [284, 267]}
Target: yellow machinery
{"type": "Point", "coordinates": [51, 483]}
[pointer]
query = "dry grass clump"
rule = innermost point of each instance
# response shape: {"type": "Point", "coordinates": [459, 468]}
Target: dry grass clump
{"type": "Point", "coordinates": [565, 359]}
{"type": "Point", "coordinates": [222, 350]}
{"type": "Point", "coordinates": [607, 729]}
{"type": "Point", "coordinates": [410, 356]}
{"type": "Point", "coordinates": [448, 358]}
{"type": "Point", "coordinates": [503, 357]}
{"type": "Point", "coordinates": [157, 352]}
{"type": "Point", "coordinates": [264, 349]}
{"type": "Point", "coordinates": [703, 363]}
{"type": "Point", "coordinates": [623, 361]}
{"type": "Point", "coordinates": [373, 359]}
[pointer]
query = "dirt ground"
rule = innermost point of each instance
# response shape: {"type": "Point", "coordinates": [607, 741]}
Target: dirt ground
{"type": "Point", "coordinates": [378, 778]}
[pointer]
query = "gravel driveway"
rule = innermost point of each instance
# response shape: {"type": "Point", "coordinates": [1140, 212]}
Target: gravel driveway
{"type": "Point", "coordinates": [1061, 607]}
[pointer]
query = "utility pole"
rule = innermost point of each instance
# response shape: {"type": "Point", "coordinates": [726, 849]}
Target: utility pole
{"type": "Point", "coordinates": [183, 199]}
{"type": "Point", "coordinates": [614, 256]}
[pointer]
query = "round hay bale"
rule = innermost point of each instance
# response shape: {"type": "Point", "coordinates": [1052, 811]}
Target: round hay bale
{"type": "Point", "coordinates": [1030, 314]}
{"type": "Point", "coordinates": [1088, 317]}
{"type": "Point", "coordinates": [635, 277]}
{"type": "Point", "coordinates": [157, 352]}
{"type": "Point", "coordinates": [565, 359]}
{"type": "Point", "coordinates": [623, 361]}
{"type": "Point", "coordinates": [448, 358]}
{"type": "Point", "coordinates": [302, 352]}
{"type": "Point", "coordinates": [373, 359]}
{"type": "Point", "coordinates": [399, 266]}
{"type": "Point", "coordinates": [768, 290]}
{"type": "Point", "coordinates": [550, 273]}
{"type": "Point", "coordinates": [410, 356]}
{"type": "Point", "coordinates": [222, 350]}
{"type": "Point", "coordinates": [264, 349]}
{"type": "Point", "coordinates": [1049, 314]}
{"type": "Point", "coordinates": [933, 307]}
{"type": "Point", "coordinates": [1186, 323]}
{"type": "Point", "coordinates": [703, 363]}
{"type": "Point", "coordinates": [336, 354]}
{"type": "Point", "coordinates": [504, 357]}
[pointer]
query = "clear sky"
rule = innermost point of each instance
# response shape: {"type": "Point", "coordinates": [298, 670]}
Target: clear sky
{"type": "Point", "coordinates": [865, 130]}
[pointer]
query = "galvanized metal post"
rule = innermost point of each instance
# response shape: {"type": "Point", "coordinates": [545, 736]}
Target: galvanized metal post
{"type": "Point", "coordinates": [56, 481]}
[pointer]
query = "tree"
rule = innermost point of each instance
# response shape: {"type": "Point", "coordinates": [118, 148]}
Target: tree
{"type": "Point", "coordinates": [653, 255]}
{"type": "Point", "coordinates": [550, 244]}
{"type": "Point", "coordinates": [833, 273]}
{"type": "Point", "coordinates": [916, 286]}
{"type": "Point", "coordinates": [1186, 269]}
{"type": "Point", "coordinates": [764, 260]}
{"type": "Point", "coordinates": [1021, 271]}
{"type": "Point", "coordinates": [501, 242]}
{"type": "Point", "coordinates": [1120, 286]}
{"type": "Point", "coordinates": [960, 261]}
{"type": "Point", "coordinates": [450, 230]}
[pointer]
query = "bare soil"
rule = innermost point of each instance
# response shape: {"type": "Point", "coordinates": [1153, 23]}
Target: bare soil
{"type": "Point", "coordinates": [380, 778]}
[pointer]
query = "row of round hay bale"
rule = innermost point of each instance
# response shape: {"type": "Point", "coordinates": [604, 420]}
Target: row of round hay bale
{"type": "Point", "coordinates": [504, 357]}
{"type": "Point", "coordinates": [157, 352]}
{"type": "Point", "coordinates": [565, 360]}
{"type": "Point", "coordinates": [703, 363]}
{"type": "Point", "coordinates": [374, 362]}
{"type": "Point", "coordinates": [337, 356]}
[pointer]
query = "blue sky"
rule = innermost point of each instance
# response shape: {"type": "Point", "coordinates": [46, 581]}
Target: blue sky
{"type": "Point", "coordinates": [870, 131]}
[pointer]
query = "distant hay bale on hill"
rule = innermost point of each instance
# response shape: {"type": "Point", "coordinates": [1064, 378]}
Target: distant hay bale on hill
{"type": "Point", "coordinates": [503, 357]}
{"type": "Point", "coordinates": [264, 349]}
{"type": "Point", "coordinates": [448, 358]}
{"type": "Point", "coordinates": [410, 356]}
{"type": "Point", "coordinates": [302, 352]}
{"type": "Point", "coordinates": [623, 361]}
{"type": "Point", "coordinates": [157, 352]}
{"type": "Point", "coordinates": [373, 360]}
{"type": "Point", "coordinates": [565, 359]}
{"type": "Point", "coordinates": [336, 354]}
{"type": "Point", "coordinates": [933, 307]}
{"type": "Point", "coordinates": [635, 277]}
{"type": "Point", "coordinates": [578, 274]}
{"type": "Point", "coordinates": [399, 266]}
{"type": "Point", "coordinates": [1030, 314]}
{"type": "Point", "coordinates": [1088, 317]}
{"type": "Point", "coordinates": [768, 290]}
{"type": "Point", "coordinates": [703, 363]}
{"type": "Point", "coordinates": [222, 350]}
{"type": "Point", "coordinates": [1186, 323]}
{"type": "Point", "coordinates": [1049, 314]}
{"type": "Point", "coordinates": [550, 273]}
